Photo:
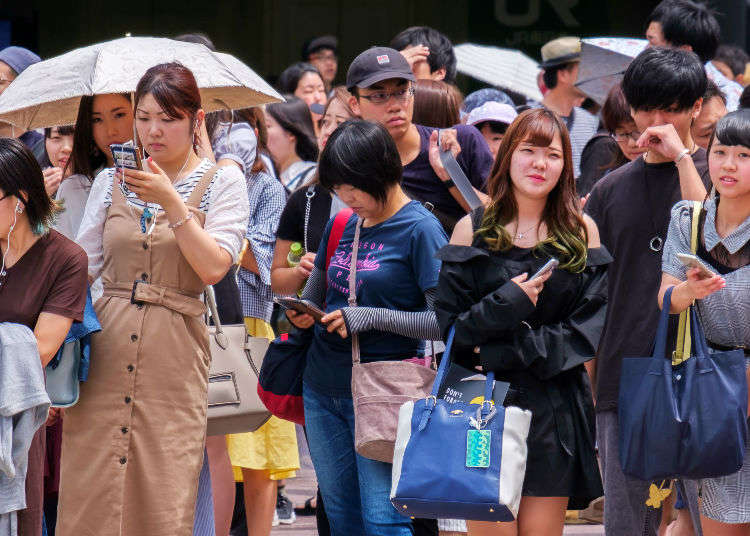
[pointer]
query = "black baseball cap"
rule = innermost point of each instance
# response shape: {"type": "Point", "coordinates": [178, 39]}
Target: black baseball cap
{"type": "Point", "coordinates": [319, 43]}
{"type": "Point", "coordinates": [375, 65]}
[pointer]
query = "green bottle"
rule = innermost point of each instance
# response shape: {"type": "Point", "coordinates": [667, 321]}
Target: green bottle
{"type": "Point", "coordinates": [296, 252]}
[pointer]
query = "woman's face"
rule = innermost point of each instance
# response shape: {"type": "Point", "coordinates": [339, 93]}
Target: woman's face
{"type": "Point", "coordinates": [336, 114]}
{"type": "Point", "coordinates": [363, 204]}
{"type": "Point", "coordinates": [111, 122]}
{"type": "Point", "coordinates": [59, 146]}
{"type": "Point", "coordinates": [729, 167]}
{"type": "Point", "coordinates": [164, 138]}
{"type": "Point", "coordinates": [280, 141]}
{"type": "Point", "coordinates": [534, 170]}
{"type": "Point", "coordinates": [311, 89]}
{"type": "Point", "coordinates": [626, 135]}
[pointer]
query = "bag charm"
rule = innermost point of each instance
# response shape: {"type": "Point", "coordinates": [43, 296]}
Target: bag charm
{"type": "Point", "coordinates": [478, 441]}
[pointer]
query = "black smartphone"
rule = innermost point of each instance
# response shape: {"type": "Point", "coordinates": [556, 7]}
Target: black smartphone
{"type": "Point", "coordinates": [301, 306]}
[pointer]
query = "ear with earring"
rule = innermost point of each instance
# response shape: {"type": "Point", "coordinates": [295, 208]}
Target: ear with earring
{"type": "Point", "coordinates": [19, 208]}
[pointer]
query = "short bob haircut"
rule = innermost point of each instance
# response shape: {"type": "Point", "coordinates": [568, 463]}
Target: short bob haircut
{"type": "Point", "coordinates": [659, 78]}
{"type": "Point", "coordinates": [294, 117]}
{"type": "Point", "coordinates": [684, 22]}
{"type": "Point", "coordinates": [290, 77]}
{"type": "Point", "coordinates": [615, 112]}
{"type": "Point", "coordinates": [436, 104]}
{"type": "Point", "coordinates": [363, 155]}
{"type": "Point", "coordinates": [732, 129]}
{"type": "Point", "coordinates": [21, 176]}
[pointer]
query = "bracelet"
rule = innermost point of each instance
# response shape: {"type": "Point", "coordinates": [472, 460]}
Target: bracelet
{"type": "Point", "coordinates": [181, 222]}
{"type": "Point", "coordinates": [449, 183]}
{"type": "Point", "coordinates": [682, 155]}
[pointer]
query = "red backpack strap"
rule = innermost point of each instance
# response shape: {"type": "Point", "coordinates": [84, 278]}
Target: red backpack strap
{"type": "Point", "coordinates": [337, 231]}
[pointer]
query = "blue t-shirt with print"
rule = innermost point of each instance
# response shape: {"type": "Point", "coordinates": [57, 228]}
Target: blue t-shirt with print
{"type": "Point", "coordinates": [396, 264]}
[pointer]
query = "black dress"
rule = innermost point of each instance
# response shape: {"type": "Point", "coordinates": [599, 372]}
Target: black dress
{"type": "Point", "coordinates": [539, 350]}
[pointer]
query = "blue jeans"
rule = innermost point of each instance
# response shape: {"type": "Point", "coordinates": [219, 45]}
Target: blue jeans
{"type": "Point", "coordinates": [356, 490]}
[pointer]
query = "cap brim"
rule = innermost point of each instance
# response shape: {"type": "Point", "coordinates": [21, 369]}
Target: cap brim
{"type": "Point", "coordinates": [571, 58]}
{"type": "Point", "coordinates": [383, 75]}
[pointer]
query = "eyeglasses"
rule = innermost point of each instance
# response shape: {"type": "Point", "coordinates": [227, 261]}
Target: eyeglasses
{"type": "Point", "coordinates": [634, 135]}
{"type": "Point", "coordinates": [382, 97]}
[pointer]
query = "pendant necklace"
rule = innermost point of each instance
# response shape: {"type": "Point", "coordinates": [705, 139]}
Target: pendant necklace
{"type": "Point", "coordinates": [519, 236]}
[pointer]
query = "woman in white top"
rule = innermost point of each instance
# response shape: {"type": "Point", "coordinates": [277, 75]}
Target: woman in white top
{"type": "Point", "coordinates": [133, 445]}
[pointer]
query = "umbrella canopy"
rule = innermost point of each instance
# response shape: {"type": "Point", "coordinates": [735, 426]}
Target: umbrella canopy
{"type": "Point", "coordinates": [603, 63]}
{"type": "Point", "coordinates": [48, 93]}
{"type": "Point", "coordinates": [501, 67]}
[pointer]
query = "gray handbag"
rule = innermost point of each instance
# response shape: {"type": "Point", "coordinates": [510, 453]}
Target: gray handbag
{"type": "Point", "coordinates": [233, 403]}
{"type": "Point", "coordinates": [62, 382]}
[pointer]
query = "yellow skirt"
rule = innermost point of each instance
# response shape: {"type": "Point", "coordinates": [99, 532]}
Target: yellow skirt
{"type": "Point", "coordinates": [273, 446]}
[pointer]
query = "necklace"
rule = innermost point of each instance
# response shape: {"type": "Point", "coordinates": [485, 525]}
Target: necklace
{"type": "Point", "coordinates": [519, 236]}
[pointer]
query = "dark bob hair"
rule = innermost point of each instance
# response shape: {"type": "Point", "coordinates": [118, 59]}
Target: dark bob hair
{"type": "Point", "coordinates": [363, 155]}
{"type": "Point", "coordinates": [294, 117]}
{"type": "Point", "coordinates": [21, 176]}
{"type": "Point", "coordinates": [289, 79]}
{"type": "Point", "coordinates": [659, 78]}
{"type": "Point", "coordinates": [615, 112]}
{"type": "Point", "coordinates": [684, 22]}
{"type": "Point", "coordinates": [733, 129]}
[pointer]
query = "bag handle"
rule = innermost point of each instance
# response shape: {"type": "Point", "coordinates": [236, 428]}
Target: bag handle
{"type": "Point", "coordinates": [684, 343]}
{"type": "Point", "coordinates": [353, 288]}
{"type": "Point", "coordinates": [220, 337]}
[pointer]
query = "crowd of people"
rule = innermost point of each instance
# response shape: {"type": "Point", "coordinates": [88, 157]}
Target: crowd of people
{"type": "Point", "coordinates": [228, 198]}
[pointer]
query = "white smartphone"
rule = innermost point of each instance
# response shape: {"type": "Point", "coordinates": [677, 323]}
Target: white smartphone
{"type": "Point", "coordinates": [691, 261]}
{"type": "Point", "coordinates": [548, 267]}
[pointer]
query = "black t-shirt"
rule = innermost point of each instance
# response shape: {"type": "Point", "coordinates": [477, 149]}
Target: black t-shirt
{"type": "Point", "coordinates": [631, 206]}
{"type": "Point", "coordinates": [600, 156]}
{"type": "Point", "coordinates": [292, 223]}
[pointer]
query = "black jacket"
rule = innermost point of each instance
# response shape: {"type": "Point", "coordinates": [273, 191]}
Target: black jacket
{"type": "Point", "coordinates": [539, 350]}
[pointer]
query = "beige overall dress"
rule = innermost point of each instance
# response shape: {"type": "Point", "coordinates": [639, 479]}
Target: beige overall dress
{"type": "Point", "coordinates": [133, 445]}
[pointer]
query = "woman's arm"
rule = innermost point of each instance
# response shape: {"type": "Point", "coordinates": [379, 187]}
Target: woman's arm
{"type": "Point", "coordinates": [286, 280]}
{"type": "Point", "coordinates": [686, 292]}
{"type": "Point", "coordinates": [266, 198]}
{"type": "Point", "coordinates": [50, 332]}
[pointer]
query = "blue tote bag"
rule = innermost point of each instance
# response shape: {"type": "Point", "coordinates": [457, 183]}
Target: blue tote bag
{"type": "Point", "coordinates": [459, 460]}
{"type": "Point", "coordinates": [684, 421]}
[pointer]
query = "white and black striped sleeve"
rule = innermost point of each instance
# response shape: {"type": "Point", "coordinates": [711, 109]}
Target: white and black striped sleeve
{"type": "Point", "coordinates": [414, 324]}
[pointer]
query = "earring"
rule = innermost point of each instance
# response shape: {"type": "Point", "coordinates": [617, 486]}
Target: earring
{"type": "Point", "coordinates": [19, 208]}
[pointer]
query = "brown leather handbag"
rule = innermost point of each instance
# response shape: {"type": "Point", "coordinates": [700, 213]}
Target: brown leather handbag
{"type": "Point", "coordinates": [380, 388]}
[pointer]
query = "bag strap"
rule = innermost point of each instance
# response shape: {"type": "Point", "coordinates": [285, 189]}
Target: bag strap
{"type": "Point", "coordinates": [684, 340]}
{"type": "Point", "coordinates": [353, 288]}
{"type": "Point", "coordinates": [337, 231]}
{"type": "Point", "coordinates": [308, 203]}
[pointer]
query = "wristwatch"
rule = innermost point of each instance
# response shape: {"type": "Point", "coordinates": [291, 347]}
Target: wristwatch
{"type": "Point", "coordinates": [449, 184]}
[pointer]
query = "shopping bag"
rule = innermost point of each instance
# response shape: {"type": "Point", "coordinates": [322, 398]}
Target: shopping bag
{"type": "Point", "coordinates": [459, 460]}
{"type": "Point", "coordinates": [685, 421]}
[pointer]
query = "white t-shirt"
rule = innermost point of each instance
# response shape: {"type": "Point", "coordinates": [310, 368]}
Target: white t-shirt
{"type": "Point", "coordinates": [225, 204]}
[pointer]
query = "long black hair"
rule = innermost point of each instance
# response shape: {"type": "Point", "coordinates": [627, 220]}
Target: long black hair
{"type": "Point", "coordinates": [87, 157]}
{"type": "Point", "coordinates": [294, 117]}
{"type": "Point", "coordinates": [21, 174]}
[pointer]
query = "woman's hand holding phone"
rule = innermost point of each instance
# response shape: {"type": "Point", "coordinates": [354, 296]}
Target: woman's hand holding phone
{"type": "Point", "coordinates": [153, 186]}
{"type": "Point", "coordinates": [300, 320]}
{"type": "Point", "coordinates": [700, 286]}
{"type": "Point", "coordinates": [532, 287]}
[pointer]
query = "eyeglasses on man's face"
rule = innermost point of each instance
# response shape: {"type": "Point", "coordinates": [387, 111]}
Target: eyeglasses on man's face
{"type": "Point", "coordinates": [381, 97]}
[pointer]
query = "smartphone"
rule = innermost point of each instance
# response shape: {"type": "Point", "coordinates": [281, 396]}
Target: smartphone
{"type": "Point", "coordinates": [301, 306]}
{"type": "Point", "coordinates": [126, 156]}
{"type": "Point", "coordinates": [691, 261]}
{"type": "Point", "coordinates": [548, 267]}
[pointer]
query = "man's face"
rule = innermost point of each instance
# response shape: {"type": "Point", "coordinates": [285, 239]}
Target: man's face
{"type": "Point", "coordinates": [7, 75]}
{"type": "Point", "coordinates": [703, 127]}
{"type": "Point", "coordinates": [390, 103]}
{"type": "Point", "coordinates": [655, 35]}
{"type": "Point", "coordinates": [680, 119]}
{"type": "Point", "coordinates": [492, 138]}
{"type": "Point", "coordinates": [326, 62]}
